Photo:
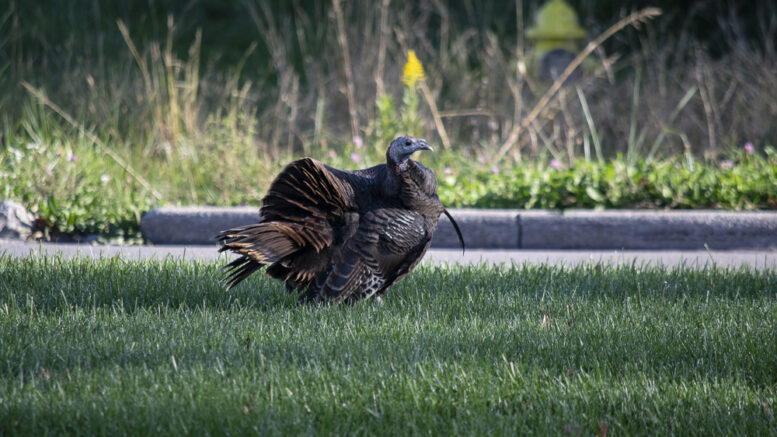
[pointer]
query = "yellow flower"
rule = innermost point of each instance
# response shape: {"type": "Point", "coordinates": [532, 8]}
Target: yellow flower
{"type": "Point", "coordinates": [414, 71]}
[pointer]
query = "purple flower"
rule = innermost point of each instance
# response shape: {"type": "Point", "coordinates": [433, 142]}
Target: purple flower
{"type": "Point", "coordinates": [749, 149]}
{"type": "Point", "coordinates": [481, 159]}
{"type": "Point", "coordinates": [726, 165]}
{"type": "Point", "coordinates": [494, 169]}
{"type": "Point", "coordinates": [448, 170]}
{"type": "Point", "coordinates": [73, 158]}
{"type": "Point", "coordinates": [358, 142]}
{"type": "Point", "coordinates": [555, 163]}
{"type": "Point", "coordinates": [331, 154]}
{"type": "Point", "coordinates": [355, 157]}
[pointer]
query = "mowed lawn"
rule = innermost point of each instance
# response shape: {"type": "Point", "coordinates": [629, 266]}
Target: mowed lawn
{"type": "Point", "coordinates": [113, 347]}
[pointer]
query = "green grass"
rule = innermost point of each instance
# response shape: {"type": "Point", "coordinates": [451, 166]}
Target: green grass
{"type": "Point", "coordinates": [107, 346]}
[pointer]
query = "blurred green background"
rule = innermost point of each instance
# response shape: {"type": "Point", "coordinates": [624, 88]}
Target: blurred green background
{"type": "Point", "coordinates": [110, 108]}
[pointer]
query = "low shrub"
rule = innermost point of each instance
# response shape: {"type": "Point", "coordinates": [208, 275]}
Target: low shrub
{"type": "Point", "coordinates": [740, 182]}
{"type": "Point", "coordinates": [75, 189]}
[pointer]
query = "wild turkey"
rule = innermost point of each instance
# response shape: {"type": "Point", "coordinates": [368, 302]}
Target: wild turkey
{"type": "Point", "coordinates": [341, 235]}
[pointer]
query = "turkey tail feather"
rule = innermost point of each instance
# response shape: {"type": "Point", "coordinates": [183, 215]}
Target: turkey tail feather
{"type": "Point", "coordinates": [238, 270]}
{"type": "Point", "coordinates": [264, 242]}
{"type": "Point", "coordinates": [295, 225]}
{"type": "Point", "coordinates": [305, 189]}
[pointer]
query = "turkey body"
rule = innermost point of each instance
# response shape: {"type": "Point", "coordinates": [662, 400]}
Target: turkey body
{"type": "Point", "coordinates": [341, 235]}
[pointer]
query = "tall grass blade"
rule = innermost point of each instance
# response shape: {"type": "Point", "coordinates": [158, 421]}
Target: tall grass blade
{"type": "Point", "coordinates": [672, 117]}
{"type": "Point", "coordinates": [113, 155]}
{"type": "Point", "coordinates": [591, 126]}
{"type": "Point", "coordinates": [631, 150]}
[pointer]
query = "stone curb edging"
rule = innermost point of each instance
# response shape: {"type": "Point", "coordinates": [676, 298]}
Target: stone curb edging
{"type": "Point", "coordinates": [657, 230]}
{"type": "Point", "coordinates": [193, 224]}
{"type": "Point", "coordinates": [522, 229]}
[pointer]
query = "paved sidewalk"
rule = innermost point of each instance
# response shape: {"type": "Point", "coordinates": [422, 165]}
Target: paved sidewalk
{"type": "Point", "coordinates": [698, 259]}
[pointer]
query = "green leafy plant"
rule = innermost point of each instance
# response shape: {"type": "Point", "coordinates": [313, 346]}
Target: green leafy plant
{"type": "Point", "coordinates": [742, 182]}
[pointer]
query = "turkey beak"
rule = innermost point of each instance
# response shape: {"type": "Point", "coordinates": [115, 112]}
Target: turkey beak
{"type": "Point", "coordinates": [422, 145]}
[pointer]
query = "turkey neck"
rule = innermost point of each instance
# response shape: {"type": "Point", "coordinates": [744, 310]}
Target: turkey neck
{"type": "Point", "coordinates": [414, 184]}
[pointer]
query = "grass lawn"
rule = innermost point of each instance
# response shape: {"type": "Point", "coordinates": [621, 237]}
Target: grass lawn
{"type": "Point", "coordinates": [109, 346]}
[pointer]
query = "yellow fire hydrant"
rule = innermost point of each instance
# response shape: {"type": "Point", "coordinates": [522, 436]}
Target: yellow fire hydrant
{"type": "Point", "coordinates": [556, 37]}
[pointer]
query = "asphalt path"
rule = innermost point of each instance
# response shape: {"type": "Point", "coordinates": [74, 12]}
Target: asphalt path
{"type": "Point", "coordinates": [760, 260]}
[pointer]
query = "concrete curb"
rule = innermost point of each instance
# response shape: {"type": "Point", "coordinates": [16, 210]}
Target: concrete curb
{"type": "Point", "coordinates": [519, 229]}
{"type": "Point", "coordinates": [630, 229]}
{"type": "Point", "coordinates": [193, 224]}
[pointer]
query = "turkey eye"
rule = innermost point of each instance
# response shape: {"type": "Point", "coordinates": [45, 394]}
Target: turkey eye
{"type": "Point", "coordinates": [407, 143]}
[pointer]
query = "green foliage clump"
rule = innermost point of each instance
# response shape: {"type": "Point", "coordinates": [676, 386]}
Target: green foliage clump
{"type": "Point", "coordinates": [78, 183]}
{"type": "Point", "coordinates": [75, 188]}
{"type": "Point", "coordinates": [69, 184]}
{"type": "Point", "coordinates": [744, 182]}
